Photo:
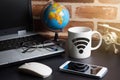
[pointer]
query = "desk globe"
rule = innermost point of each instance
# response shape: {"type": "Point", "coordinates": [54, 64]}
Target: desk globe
{"type": "Point", "coordinates": [56, 17]}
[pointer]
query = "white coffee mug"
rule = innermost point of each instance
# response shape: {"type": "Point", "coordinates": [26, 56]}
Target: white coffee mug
{"type": "Point", "coordinates": [80, 40]}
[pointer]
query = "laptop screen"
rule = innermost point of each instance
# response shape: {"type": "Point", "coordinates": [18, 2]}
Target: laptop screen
{"type": "Point", "coordinates": [15, 15]}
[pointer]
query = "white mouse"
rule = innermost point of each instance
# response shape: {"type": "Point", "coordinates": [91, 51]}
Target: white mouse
{"type": "Point", "coordinates": [37, 69]}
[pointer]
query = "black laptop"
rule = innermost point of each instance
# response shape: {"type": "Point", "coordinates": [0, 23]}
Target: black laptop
{"type": "Point", "coordinates": [16, 29]}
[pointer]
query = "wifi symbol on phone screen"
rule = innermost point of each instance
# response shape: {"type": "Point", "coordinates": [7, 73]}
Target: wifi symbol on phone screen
{"type": "Point", "coordinates": [80, 43]}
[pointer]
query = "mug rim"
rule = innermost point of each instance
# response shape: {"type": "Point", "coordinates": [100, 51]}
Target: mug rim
{"type": "Point", "coordinates": [72, 29]}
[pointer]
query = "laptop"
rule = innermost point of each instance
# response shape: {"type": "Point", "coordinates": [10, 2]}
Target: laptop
{"type": "Point", "coordinates": [16, 28]}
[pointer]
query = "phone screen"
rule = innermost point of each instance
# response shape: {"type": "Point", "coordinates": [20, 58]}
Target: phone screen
{"type": "Point", "coordinates": [88, 70]}
{"type": "Point", "coordinates": [82, 68]}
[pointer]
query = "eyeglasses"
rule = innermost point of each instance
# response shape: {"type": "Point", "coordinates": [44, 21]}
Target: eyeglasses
{"type": "Point", "coordinates": [30, 46]}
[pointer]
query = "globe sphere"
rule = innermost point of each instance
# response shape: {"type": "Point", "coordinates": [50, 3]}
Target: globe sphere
{"type": "Point", "coordinates": [56, 16]}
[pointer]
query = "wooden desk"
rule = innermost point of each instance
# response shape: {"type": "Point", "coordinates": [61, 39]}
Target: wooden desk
{"type": "Point", "coordinates": [111, 61]}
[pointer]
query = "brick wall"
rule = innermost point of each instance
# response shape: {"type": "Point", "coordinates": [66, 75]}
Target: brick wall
{"type": "Point", "coordinates": [88, 13]}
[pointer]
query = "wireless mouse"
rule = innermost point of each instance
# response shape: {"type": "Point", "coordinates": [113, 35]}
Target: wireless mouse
{"type": "Point", "coordinates": [37, 69]}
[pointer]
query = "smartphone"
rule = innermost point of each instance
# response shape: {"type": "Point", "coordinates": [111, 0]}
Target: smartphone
{"type": "Point", "coordinates": [87, 70]}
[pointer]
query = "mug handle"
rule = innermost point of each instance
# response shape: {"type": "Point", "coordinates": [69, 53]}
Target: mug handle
{"type": "Point", "coordinates": [100, 40]}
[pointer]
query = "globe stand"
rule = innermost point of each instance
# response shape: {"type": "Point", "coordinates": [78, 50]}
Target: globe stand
{"type": "Point", "coordinates": [58, 41]}
{"type": "Point", "coordinates": [56, 37]}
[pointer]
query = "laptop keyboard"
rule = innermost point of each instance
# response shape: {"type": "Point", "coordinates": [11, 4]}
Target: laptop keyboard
{"type": "Point", "coordinates": [13, 50]}
{"type": "Point", "coordinates": [17, 42]}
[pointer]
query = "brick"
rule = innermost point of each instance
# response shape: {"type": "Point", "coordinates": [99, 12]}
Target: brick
{"type": "Point", "coordinates": [79, 23]}
{"type": "Point", "coordinates": [42, 28]}
{"type": "Point", "coordinates": [40, 0]}
{"type": "Point", "coordinates": [100, 12]}
{"type": "Point", "coordinates": [110, 1]}
{"type": "Point", "coordinates": [37, 9]}
{"type": "Point", "coordinates": [76, 1]}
